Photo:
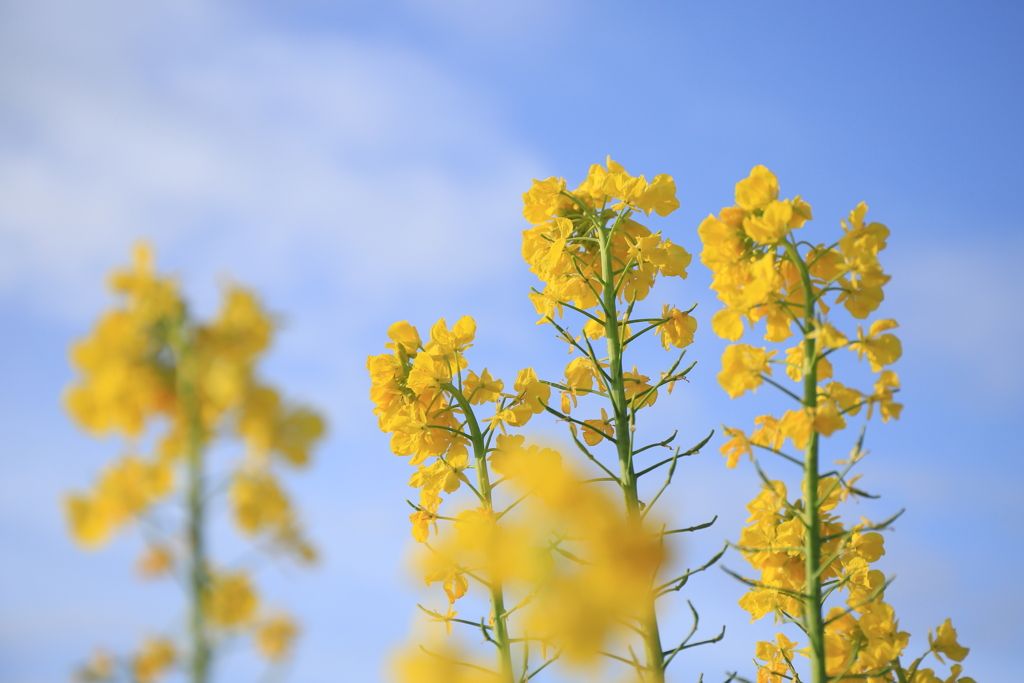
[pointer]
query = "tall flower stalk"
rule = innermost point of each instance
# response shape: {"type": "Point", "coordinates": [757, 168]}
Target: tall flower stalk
{"type": "Point", "coordinates": [427, 400]}
{"type": "Point", "coordinates": [150, 369]}
{"type": "Point", "coordinates": [806, 557]}
{"type": "Point", "coordinates": [595, 260]}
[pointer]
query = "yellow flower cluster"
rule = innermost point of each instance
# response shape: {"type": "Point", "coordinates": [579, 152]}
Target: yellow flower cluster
{"type": "Point", "coordinates": [413, 389]}
{"type": "Point", "coordinates": [125, 489]}
{"type": "Point", "coordinates": [741, 245]}
{"type": "Point", "coordinates": [802, 551]}
{"type": "Point", "coordinates": [760, 274]}
{"type": "Point", "coordinates": [581, 570]}
{"type": "Point", "coordinates": [563, 250]}
{"type": "Point", "coordinates": [426, 397]}
{"type": "Point", "coordinates": [861, 638]}
{"type": "Point", "coordinates": [596, 260]}
{"type": "Point", "coordinates": [130, 376]}
{"type": "Point", "coordinates": [148, 363]}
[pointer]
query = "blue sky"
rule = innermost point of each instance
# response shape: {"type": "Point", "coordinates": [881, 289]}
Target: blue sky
{"type": "Point", "coordinates": [360, 163]}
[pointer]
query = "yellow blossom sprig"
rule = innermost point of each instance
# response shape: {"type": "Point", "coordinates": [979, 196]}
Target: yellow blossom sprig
{"type": "Point", "coordinates": [149, 362]}
{"type": "Point", "coordinates": [427, 399]}
{"type": "Point", "coordinates": [598, 262]}
{"type": "Point", "coordinates": [802, 550]}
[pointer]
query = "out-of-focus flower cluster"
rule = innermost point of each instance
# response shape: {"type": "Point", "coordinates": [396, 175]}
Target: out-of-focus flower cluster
{"type": "Point", "coordinates": [147, 365]}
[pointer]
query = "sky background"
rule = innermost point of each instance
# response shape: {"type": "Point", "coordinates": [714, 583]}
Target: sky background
{"type": "Point", "coordinates": [362, 163]}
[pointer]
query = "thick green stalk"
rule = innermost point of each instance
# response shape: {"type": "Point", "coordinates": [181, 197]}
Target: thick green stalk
{"type": "Point", "coordinates": [199, 666]}
{"type": "Point", "coordinates": [655, 658]}
{"type": "Point", "coordinates": [484, 484]}
{"type": "Point", "coordinates": [813, 621]}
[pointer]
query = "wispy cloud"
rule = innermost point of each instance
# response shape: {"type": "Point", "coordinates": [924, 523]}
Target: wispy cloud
{"type": "Point", "coordinates": [229, 141]}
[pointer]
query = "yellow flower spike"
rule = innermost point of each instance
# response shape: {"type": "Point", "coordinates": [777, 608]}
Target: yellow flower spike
{"type": "Point", "coordinates": [944, 643]}
{"type": "Point", "coordinates": [148, 364]}
{"type": "Point", "coordinates": [275, 636]}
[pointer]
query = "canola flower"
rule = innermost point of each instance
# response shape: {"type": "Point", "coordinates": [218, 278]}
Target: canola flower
{"type": "Point", "coordinates": [587, 570]}
{"type": "Point", "coordinates": [531, 533]}
{"type": "Point", "coordinates": [597, 261]}
{"type": "Point", "coordinates": [425, 399]}
{"type": "Point", "coordinates": [806, 557]}
{"type": "Point", "coordinates": [148, 365]}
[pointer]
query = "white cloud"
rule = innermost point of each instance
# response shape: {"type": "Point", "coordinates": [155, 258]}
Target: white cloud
{"type": "Point", "coordinates": [230, 142]}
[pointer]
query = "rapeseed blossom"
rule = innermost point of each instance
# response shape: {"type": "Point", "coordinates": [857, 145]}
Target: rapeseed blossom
{"type": "Point", "coordinates": [804, 554]}
{"type": "Point", "coordinates": [149, 366]}
{"type": "Point", "coordinates": [595, 260]}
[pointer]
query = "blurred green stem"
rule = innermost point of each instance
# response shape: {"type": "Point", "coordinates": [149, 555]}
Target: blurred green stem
{"type": "Point", "coordinates": [185, 373]}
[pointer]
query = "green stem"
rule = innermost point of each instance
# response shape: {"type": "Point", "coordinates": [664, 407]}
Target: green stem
{"type": "Point", "coordinates": [812, 618]}
{"type": "Point", "coordinates": [655, 658]}
{"type": "Point", "coordinates": [186, 391]}
{"type": "Point", "coordinates": [500, 635]}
